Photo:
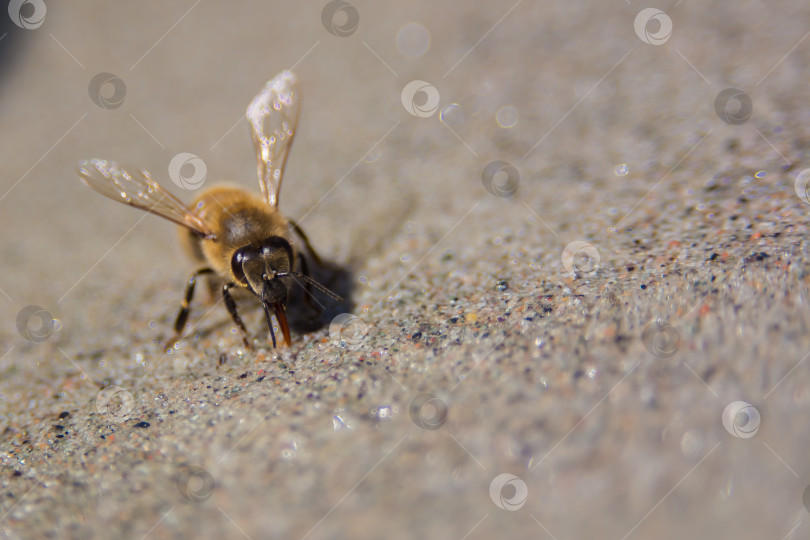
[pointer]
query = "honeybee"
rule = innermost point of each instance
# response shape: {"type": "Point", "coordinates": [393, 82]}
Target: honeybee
{"type": "Point", "coordinates": [239, 236]}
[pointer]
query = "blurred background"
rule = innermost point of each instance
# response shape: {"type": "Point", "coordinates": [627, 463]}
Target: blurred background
{"type": "Point", "coordinates": [546, 88]}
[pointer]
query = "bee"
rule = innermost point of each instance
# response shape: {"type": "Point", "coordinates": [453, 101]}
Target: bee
{"type": "Point", "coordinates": [238, 236]}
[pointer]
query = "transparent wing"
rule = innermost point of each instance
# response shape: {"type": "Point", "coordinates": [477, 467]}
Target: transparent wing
{"type": "Point", "coordinates": [140, 191]}
{"type": "Point", "coordinates": [273, 117]}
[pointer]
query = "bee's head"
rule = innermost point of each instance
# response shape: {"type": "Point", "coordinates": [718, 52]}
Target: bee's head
{"type": "Point", "coordinates": [257, 266]}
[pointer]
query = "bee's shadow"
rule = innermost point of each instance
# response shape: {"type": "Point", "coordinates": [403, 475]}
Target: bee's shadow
{"type": "Point", "coordinates": [311, 310]}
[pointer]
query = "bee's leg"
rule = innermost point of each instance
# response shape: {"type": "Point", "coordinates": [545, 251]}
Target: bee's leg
{"type": "Point", "coordinates": [231, 305]}
{"type": "Point", "coordinates": [310, 250]}
{"type": "Point", "coordinates": [185, 305]}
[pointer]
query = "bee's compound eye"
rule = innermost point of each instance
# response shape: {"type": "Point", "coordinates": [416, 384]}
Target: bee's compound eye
{"type": "Point", "coordinates": [240, 256]}
{"type": "Point", "coordinates": [274, 244]}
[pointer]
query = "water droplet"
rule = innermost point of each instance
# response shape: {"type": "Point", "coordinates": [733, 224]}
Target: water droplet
{"type": "Point", "coordinates": [373, 155]}
{"type": "Point", "coordinates": [452, 115]}
{"type": "Point", "coordinates": [622, 170]}
{"type": "Point", "coordinates": [507, 116]}
{"type": "Point", "coordinates": [692, 444]}
{"type": "Point", "coordinates": [289, 451]}
{"type": "Point", "coordinates": [338, 423]}
{"type": "Point", "coordinates": [383, 413]}
{"type": "Point", "coordinates": [413, 39]}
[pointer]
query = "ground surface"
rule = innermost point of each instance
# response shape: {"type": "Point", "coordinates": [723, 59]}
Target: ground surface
{"type": "Point", "coordinates": [597, 376]}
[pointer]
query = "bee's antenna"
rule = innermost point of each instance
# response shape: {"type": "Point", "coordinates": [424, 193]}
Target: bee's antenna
{"type": "Point", "coordinates": [322, 288]}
